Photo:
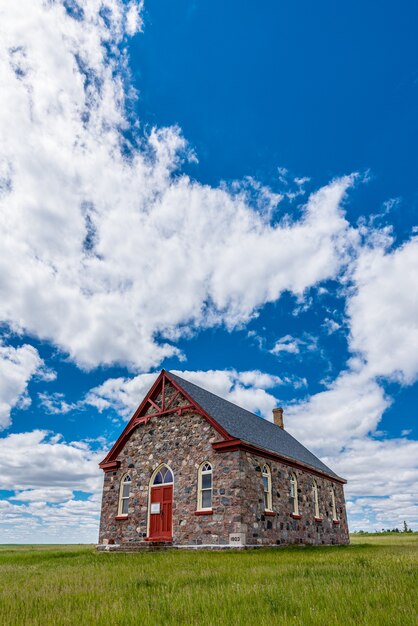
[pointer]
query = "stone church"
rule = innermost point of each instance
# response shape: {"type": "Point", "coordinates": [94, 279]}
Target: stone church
{"type": "Point", "coordinates": [192, 470]}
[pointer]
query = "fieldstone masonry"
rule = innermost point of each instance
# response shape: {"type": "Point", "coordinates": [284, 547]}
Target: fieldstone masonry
{"type": "Point", "coordinates": [183, 442]}
{"type": "Point", "coordinates": [282, 527]}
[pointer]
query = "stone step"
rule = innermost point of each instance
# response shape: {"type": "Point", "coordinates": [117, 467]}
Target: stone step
{"type": "Point", "coordinates": [135, 547]}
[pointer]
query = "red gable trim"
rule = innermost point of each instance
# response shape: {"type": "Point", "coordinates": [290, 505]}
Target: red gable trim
{"type": "Point", "coordinates": [238, 444]}
{"type": "Point", "coordinates": [122, 439]}
{"type": "Point", "coordinates": [199, 409]}
{"type": "Point", "coordinates": [110, 462]}
{"type": "Point", "coordinates": [109, 466]}
{"type": "Point", "coordinates": [120, 442]}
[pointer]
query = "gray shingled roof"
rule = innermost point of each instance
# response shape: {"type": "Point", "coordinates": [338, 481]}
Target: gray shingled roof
{"type": "Point", "coordinates": [251, 428]}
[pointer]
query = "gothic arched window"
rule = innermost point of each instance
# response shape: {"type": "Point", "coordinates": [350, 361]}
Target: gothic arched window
{"type": "Point", "coordinates": [204, 491]}
{"type": "Point", "coordinates": [315, 499]}
{"type": "Point", "coordinates": [124, 492]}
{"type": "Point", "coordinates": [164, 476]}
{"type": "Point", "coordinates": [334, 508]}
{"type": "Point", "coordinates": [266, 475]}
{"type": "Point", "coordinates": [294, 494]}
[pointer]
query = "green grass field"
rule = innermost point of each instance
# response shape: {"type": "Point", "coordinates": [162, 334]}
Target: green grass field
{"type": "Point", "coordinates": [372, 581]}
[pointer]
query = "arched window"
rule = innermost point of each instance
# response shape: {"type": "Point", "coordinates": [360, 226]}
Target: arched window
{"type": "Point", "coordinates": [124, 491]}
{"type": "Point", "coordinates": [294, 494]}
{"type": "Point", "coordinates": [334, 508]}
{"type": "Point", "coordinates": [204, 492]}
{"type": "Point", "coordinates": [164, 476]}
{"type": "Point", "coordinates": [266, 474]}
{"type": "Point", "coordinates": [315, 499]}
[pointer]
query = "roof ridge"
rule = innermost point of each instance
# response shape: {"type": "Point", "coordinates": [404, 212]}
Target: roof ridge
{"type": "Point", "coordinates": [248, 426]}
{"type": "Point", "coordinates": [223, 399]}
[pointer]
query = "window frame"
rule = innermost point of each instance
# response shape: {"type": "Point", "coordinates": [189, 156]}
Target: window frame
{"type": "Point", "coordinates": [317, 514]}
{"type": "Point", "coordinates": [126, 479]}
{"type": "Point", "coordinates": [267, 493]}
{"type": "Point", "coordinates": [294, 494]}
{"type": "Point", "coordinates": [333, 505]}
{"type": "Point", "coordinates": [200, 489]}
{"type": "Point", "coordinates": [162, 469]}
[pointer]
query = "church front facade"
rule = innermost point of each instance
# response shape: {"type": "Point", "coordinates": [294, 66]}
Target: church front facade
{"type": "Point", "coordinates": [180, 475]}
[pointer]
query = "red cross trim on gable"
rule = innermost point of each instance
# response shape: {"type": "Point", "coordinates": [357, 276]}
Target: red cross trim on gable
{"type": "Point", "coordinates": [158, 401]}
{"type": "Point", "coordinates": [163, 399]}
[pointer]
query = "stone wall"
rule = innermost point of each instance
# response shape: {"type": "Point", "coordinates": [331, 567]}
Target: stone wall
{"type": "Point", "coordinates": [283, 528]}
{"type": "Point", "coordinates": [183, 442]}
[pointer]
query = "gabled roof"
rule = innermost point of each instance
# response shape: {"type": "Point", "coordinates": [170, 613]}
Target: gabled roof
{"type": "Point", "coordinates": [251, 428]}
{"type": "Point", "coordinates": [237, 427]}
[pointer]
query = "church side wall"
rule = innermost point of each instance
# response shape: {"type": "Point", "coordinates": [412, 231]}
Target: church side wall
{"type": "Point", "coordinates": [282, 528]}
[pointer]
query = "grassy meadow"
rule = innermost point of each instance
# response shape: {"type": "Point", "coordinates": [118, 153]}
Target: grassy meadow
{"type": "Point", "coordinates": [372, 581]}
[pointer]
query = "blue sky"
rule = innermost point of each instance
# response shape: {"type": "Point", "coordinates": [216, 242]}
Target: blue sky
{"type": "Point", "coordinates": [218, 189]}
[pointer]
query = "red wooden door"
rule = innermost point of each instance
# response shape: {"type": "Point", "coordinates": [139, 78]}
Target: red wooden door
{"type": "Point", "coordinates": [161, 520]}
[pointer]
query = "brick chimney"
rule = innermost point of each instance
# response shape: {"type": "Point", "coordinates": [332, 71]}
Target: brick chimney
{"type": "Point", "coordinates": [278, 417]}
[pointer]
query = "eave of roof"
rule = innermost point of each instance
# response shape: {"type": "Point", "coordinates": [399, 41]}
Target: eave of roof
{"type": "Point", "coordinates": [253, 429]}
{"type": "Point", "coordinates": [236, 425]}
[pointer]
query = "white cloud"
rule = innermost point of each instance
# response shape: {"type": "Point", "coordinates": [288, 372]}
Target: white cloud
{"type": "Point", "coordinates": [379, 468]}
{"type": "Point", "coordinates": [134, 17]}
{"type": "Point", "coordinates": [45, 494]}
{"type": "Point", "coordinates": [55, 403]}
{"type": "Point", "coordinates": [36, 459]}
{"type": "Point", "coordinates": [350, 408]}
{"type": "Point", "coordinates": [247, 389]}
{"type": "Point", "coordinates": [383, 311]}
{"type": "Point", "coordinates": [339, 425]}
{"type": "Point", "coordinates": [286, 344]}
{"type": "Point", "coordinates": [101, 250]}
{"type": "Point", "coordinates": [71, 521]}
{"type": "Point", "coordinates": [44, 471]}
{"type": "Point", "coordinates": [120, 394]}
{"type": "Point", "coordinates": [382, 305]}
{"type": "Point", "coordinates": [17, 367]}
{"type": "Point", "coordinates": [331, 326]}
{"type": "Point", "coordinates": [295, 345]}
{"type": "Point", "coordinates": [383, 482]}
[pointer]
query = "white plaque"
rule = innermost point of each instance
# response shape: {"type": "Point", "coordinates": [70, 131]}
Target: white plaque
{"type": "Point", "coordinates": [155, 507]}
{"type": "Point", "coordinates": [237, 539]}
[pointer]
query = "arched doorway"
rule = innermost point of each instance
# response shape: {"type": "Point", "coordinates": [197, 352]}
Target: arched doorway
{"type": "Point", "coordinates": [160, 526]}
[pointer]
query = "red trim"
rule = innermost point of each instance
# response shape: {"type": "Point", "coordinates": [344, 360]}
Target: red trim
{"type": "Point", "coordinates": [318, 519]}
{"type": "Point", "coordinates": [210, 419]}
{"type": "Point", "coordinates": [296, 516]}
{"type": "Point", "coordinates": [110, 461]}
{"type": "Point", "coordinates": [154, 404]}
{"type": "Point", "coordinates": [159, 539]}
{"type": "Point", "coordinates": [173, 397]}
{"type": "Point", "coordinates": [228, 446]}
{"type": "Point", "coordinates": [238, 444]}
{"type": "Point", "coordinates": [120, 442]}
{"type": "Point", "coordinates": [269, 513]}
{"type": "Point", "coordinates": [208, 512]}
{"type": "Point", "coordinates": [336, 522]}
{"type": "Point", "coordinates": [121, 517]}
{"type": "Point", "coordinates": [178, 409]}
{"type": "Point", "coordinates": [110, 466]}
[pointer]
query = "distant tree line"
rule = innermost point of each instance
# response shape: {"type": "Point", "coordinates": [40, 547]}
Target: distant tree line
{"type": "Point", "coordinates": [405, 529]}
